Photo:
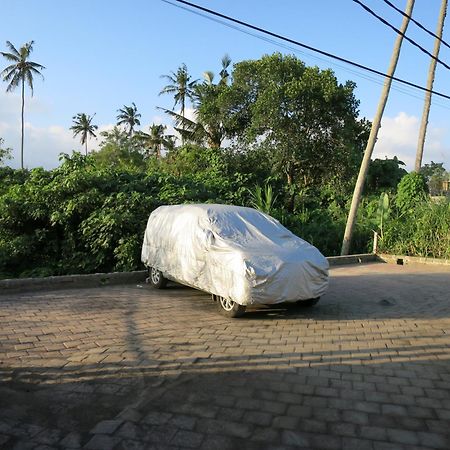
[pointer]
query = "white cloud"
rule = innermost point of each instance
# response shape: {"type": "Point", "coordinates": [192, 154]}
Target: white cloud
{"type": "Point", "coordinates": [398, 137]}
{"type": "Point", "coordinates": [42, 146]}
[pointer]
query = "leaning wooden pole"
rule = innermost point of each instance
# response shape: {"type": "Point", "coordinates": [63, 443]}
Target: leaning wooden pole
{"type": "Point", "coordinates": [374, 133]}
{"type": "Point", "coordinates": [430, 82]}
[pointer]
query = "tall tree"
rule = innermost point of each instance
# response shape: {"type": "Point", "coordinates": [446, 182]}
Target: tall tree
{"type": "Point", "coordinates": [181, 86]}
{"type": "Point", "coordinates": [129, 117]}
{"type": "Point", "coordinates": [374, 133]}
{"type": "Point", "coordinates": [82, 125]}
{"type": "Point", "coordinates": [156, 140]}
{"type": "Point", "coordinates": [301, 116]}
{"type": "Point", "coordinates": [21, 71]}
{"type": "Point", "coordinates": [430, 82]}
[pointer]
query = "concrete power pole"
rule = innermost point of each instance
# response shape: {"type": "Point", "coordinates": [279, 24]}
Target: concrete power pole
{"type": "Point", "coordinates": [374, 133]}
{"type": "Point", "coordinates": [430, 81]}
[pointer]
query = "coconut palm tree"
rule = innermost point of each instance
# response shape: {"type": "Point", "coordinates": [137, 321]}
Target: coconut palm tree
{"type": "Point", "coordinates": [205, 127]}
{"type": "Point", "coordinates": [224, 74]}
{"type": "Point", "coordinates": [129, 117]}
{"type": "Point", "coordinates": [181, 86]}
{"type": "Point", "coordinates": [156, 140]}
{"type": "Point", "coordinates": [376, 124]}
{"type": "Point", "coordinates": [21, 71]}
{"type": "Point", "coordinates": [82, 124]}
{"type": "Point", "coordinates": [430, 82]}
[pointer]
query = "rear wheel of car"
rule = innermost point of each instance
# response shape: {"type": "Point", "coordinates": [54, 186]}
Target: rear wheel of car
{"type": "Point", "coordinates": [228, 307]}
{"type": "Point", "coordinates": [308, 303]}
{"type": "Point", "coordinates": [156, 278]}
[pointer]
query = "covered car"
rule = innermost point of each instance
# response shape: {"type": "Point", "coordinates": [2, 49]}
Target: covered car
{"type": "Point", "coordinates": [239, 255]}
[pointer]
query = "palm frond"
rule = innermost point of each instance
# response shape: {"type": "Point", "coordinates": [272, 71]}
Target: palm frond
{"type": "Point", "coordinates": [14, 82]}
{"type": "Point", "coordinates": [10, 57]}
{"type": "Point", "coordinates": [13, 49]}
{"type": "Point", "coordinates": [29, 80]}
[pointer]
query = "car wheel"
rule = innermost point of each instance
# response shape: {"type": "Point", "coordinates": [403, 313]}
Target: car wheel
{"type": "Point", "coordinates": [156, 278]}
{"type": "Point", "coordinates": [308, 303]}
{"type": "Point", "coordinates": [228, 307]}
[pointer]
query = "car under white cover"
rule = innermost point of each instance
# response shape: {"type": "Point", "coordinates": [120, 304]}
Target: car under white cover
{"type": "Point", "coordinates": [239, 255]}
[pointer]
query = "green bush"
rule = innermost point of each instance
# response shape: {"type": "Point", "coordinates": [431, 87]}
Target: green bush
{"type": "Point", "coordinates": [411, 191]}
{"type": "Point", "coordinates": [424, 231]}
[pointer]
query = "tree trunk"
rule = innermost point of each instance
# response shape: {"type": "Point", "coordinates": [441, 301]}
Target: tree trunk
{"type": "Point", "coordinates": [290, 182]}
{"type": "Point", "coordinates": [86, 143]}
{"type": "Point", "coordinates": [373, 134]}
{"type": "Point", "coordinates": [182, 124]}
{"type": "Point", "coordinates": [23, 108]}
{"type": "Point", "coordinates": [430, 81]}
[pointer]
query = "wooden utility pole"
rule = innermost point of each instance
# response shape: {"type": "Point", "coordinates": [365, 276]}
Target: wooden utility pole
{"type": "Point", "coordinates": [374, 133]}
{"type": "Point", "coordinates": [430, 81]}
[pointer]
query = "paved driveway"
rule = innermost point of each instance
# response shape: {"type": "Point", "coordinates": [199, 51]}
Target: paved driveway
{"type": "Point", "coordinates": [129, 367]}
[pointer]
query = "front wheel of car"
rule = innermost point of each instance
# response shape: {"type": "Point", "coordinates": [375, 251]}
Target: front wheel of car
{"type": "Point", "coordinates": [228, 307]}
{"type": "Point", "coordinates": [156, 278]}
{"type": "Point", "coordinates": [308, 303]}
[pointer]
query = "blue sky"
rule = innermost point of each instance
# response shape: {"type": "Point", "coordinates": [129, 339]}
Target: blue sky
{"type": "Point", "coordinates": [101, 55]}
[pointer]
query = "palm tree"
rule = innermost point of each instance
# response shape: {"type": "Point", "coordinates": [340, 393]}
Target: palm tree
{"type": "Point", "coordinates": [82, 124]}
{"type": "Point", "coordinates": [206, 127]}
{"type": "Point", "coordinates": [181, 86]}
{"type": "Point", "coordinates": [156, 140]}
{"type": "Point", "coordinates": [430, 82]}
{"type": "Point", "coordinates": [129, 117]}
{"type": "Point", "coordinates": [224, 74]}
{"type": "Point", "coordinates": [376, 124]}
{"type": "Point", "coordinates": [20, 71]}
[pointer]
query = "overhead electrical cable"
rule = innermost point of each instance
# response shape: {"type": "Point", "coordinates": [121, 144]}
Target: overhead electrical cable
{"type": "Point", "coordinates": [412, 41]}
{"type": "Point", "coordinates": [300, 44]}
{"type": "Point", "coordinates": [417, 23]}
{"type": "Point", "coordinates": [406, 90]}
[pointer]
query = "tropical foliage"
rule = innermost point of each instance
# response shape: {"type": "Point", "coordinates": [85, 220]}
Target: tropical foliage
{"type": "Point", "coordinates": [271, 133]}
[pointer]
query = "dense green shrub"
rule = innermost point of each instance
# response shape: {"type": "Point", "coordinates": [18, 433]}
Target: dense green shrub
{"type": "Point", "coordinates": [424, 231]}
{"type": "Point", "coordinates": [83, 218]}
{"type": "Point", "coordinates": [411, 191]}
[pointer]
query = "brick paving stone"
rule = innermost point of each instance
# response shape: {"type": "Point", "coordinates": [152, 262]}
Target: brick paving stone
{"type": "Point", "coordinates": [48, 436]}
{"type": "Point", "coordinates": [285, 422]}
{"type": "Point", "coordinates": [258, 418]}
{"type": "Point", "coordinates": [345, 429]}
{"type": "Point", "coordinates": [72, 440]}
{"type": "Point", "coordinates": [349, 443]}
{"type": "Point", "coordinates": [102, 441]}
{"type": "Point", "coordinates": [295, 438]}
{"type": "Point", "coordinates": [396, 410]}
{"type": "Point", "coordinates": [434, 440]}
{"type": "Point", "coordinates": [183, 422]}
{"type": "Point", "coordinates": [189, 439]}
{"type": "Point", "coordinates": [265, 435]}
{"type": "Point", "coordinates": [312, 426]}
{"type": "Point", "coordinates": [405, 437]}
{"type": "Point", "coordinates": [357, 417]}
{"type": "Point", "coordinates": [107, 426]}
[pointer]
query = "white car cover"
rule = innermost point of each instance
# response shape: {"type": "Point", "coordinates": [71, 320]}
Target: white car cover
{"type": "Point", "coordinates": [236, 252]}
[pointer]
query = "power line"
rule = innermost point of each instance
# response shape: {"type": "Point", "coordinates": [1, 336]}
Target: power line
{"type": "Point", "coordinates": [412, 41]}
{"type": "Point", "coordinates": [283, 38]}
{"type": "Point", "coordinates": [417, 23]}
{"type": "Point", "coordinates": [406, 90]}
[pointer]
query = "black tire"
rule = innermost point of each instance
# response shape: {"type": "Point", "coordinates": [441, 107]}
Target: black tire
{"type": "Point", "coordinates": [228, 308]}
{"type": "Point", "coordinates": [308, 303]}
{"type": "Point", "coordinates": [156, 278]}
